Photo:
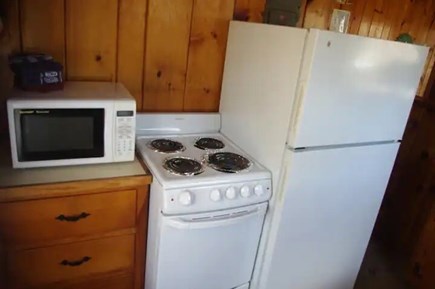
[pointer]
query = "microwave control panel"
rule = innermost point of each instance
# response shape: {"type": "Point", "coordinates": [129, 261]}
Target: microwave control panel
{"type": "Point", "coordinates": [125, 135]}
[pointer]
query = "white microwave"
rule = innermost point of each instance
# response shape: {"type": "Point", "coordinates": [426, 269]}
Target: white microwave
{"type": "Point", "coordinates": [85, 123]}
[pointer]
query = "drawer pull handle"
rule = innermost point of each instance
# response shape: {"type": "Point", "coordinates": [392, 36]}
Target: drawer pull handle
{"type": "Point", "coordinates": [73, 218]}
{"type": "Point", "coordinates": [75, 263]}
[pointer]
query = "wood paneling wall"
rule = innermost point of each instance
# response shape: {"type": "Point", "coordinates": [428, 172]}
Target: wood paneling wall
{"type": "Point", "coordinates": [9, 42]}
{"type": "Point", "coordinates": [385, 19]}
{"type": "Point", "coordinates": [168, 53]}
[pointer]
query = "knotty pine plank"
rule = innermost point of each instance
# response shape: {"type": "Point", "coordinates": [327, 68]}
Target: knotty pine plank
{"type": "Point", "coordinates": [333, 4]}
{"type": "Point", "coordinates": [357, 12]}
{"type": "Point", "coordinates": [417, 24]}
{"type": "Point", "coordinates": [167, 42]}
{"type": "Point", "coordinates": [91, 36]}
{"type": "Point", "coordinates": [10, 42]}
{"type": "Point", "coordinates": [430, 79]}
{"type": "Point", "coordinates": [430, 64]}
{"type": "Point", "coordinates": [302, 11]}
{"type": "Point", "coordinates": [430, 41]}
{"type": "Point", "coordinates": [421, 20]}
{"type": "Point", "coordinates": [314, 14]}
{"type": "Point", "coordinates": [131, 33]}
{"type": "Point", "coordinates": [318, 14]}
{"type": "Point", "coordinates": [391, 11]}
{"type": "Point", "coordinates": [210, 21]}
{"type": "Point", "coordinates": [400, 19]}
{"type": "Point", "coordinates": [12, 34]}
{"type": "Point", "coordinates": [414, 20]}
{"type": "Point", "coordinates": [378, 21]}
{"type": "Point", "coordinates": [241, 10]}
{"type": "Point", "coordinates": [430, 36]}
{"type": "Point", "coordinates": [256, 10]}
{"type": "Point", "coordinates": [249, 10]}
{"type": "Point", "coordinates": [367, 18]}
{"type": "Point", "coordinates": [43, 27]}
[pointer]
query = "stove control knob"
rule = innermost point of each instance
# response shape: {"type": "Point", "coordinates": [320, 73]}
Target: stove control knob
{"type": "Point", "coordinates": [245, 192]}
{"type": "Point", "coordinates": [215, 195]}
{"type": "Point", "coordinates": [185, 198]}
{"type": "Point", "coordinates": [231, 193]}
{"type": "Point", "coordinates": [258, 190]}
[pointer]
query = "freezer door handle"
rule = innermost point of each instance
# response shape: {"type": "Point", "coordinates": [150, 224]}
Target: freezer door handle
{"type": "Point", "coordinates": [213, 221]}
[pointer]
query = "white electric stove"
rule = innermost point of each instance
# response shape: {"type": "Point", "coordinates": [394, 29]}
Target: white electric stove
{"type": "Point", "coordinates": [207, 206]}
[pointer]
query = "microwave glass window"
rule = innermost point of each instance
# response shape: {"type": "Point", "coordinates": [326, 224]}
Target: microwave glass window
{"type": "Point", "coordinates": [46, 134]}
{"type": "Point", "coordinates": [50, 134]}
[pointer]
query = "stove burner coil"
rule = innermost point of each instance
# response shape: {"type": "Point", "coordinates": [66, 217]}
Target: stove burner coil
{"type": "Point", "coordinates": [183, 166]}
{"type": "Point", "coordinates": [228, 162]}
{"type": "Point", "coordinates": [166, 146]}
{"type": "Point", "coordinates": [208, 143]}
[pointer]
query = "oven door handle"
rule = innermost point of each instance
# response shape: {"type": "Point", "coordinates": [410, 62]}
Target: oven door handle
{"type": "Point", "coordinates": [219, 221]}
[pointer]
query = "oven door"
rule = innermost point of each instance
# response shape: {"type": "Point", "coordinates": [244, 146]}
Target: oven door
{"type": "Point", "coordinates": [58, 134]}
{"type": "Point", "coordinates": [212, 250]}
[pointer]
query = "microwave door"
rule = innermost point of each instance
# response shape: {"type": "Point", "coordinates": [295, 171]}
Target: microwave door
{"type": "Point", "coordinates": [54, 134]}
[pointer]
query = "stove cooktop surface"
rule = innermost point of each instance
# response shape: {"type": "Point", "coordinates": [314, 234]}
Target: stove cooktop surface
{"type": "Point", "coordinates": [183, 166]}
{"type": "Point", "coordinates": [183, 160]}
{"type": "Point", "coordinates": [209, 143]}
{"type": "Point", "coordinates": [166, 146]}
{"type": "Point", "coordinates": [227, 162]}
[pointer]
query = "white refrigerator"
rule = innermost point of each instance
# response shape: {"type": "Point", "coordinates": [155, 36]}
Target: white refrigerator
{"type": "Point", "coordinates": [325, 112]}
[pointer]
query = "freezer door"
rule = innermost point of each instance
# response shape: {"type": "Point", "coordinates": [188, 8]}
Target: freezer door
{"type": "Point", "coordinates": [327, 211]}
{"type": "Point", "coordinates": [213, 250]}
{"type": "Point", "coordinates": [354, 89]}
{"type": "Point", "coordinates": [259, 87]}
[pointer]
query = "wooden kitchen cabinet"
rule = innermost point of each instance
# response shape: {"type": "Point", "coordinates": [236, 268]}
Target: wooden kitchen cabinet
{"type": "Point", "coordinates": [43, 220]}
{"type": "Point", "coordinates": [81, 230]}
{"type": "Point", "coordinates": [70, 261]}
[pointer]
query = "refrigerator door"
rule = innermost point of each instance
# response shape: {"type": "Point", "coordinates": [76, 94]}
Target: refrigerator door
{"type": "Point", "coordinates": [259, 86]}
{"type": "Point", "coordinates": [324, 216]}
{"type": "Point", "coordinates": [354, 89]}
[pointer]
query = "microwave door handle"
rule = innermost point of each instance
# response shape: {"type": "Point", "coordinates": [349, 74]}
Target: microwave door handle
{"type": "Point", "coordinates": [182, 223]}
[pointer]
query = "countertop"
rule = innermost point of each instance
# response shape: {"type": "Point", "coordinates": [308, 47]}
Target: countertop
{"type": "Point", "coordinates": [17, 179]}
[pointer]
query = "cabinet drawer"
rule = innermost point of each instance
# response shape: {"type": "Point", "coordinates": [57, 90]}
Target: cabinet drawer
{"type": "Point", "coordinates": [30, 268]}
{"type": "Point", "coordinates": [122, 280]}
{"type": "Point", "coordinates": [33, 222]}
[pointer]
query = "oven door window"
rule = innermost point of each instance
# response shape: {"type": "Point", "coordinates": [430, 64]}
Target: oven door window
{"type": "Point", "coordinates": [54, 134]}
